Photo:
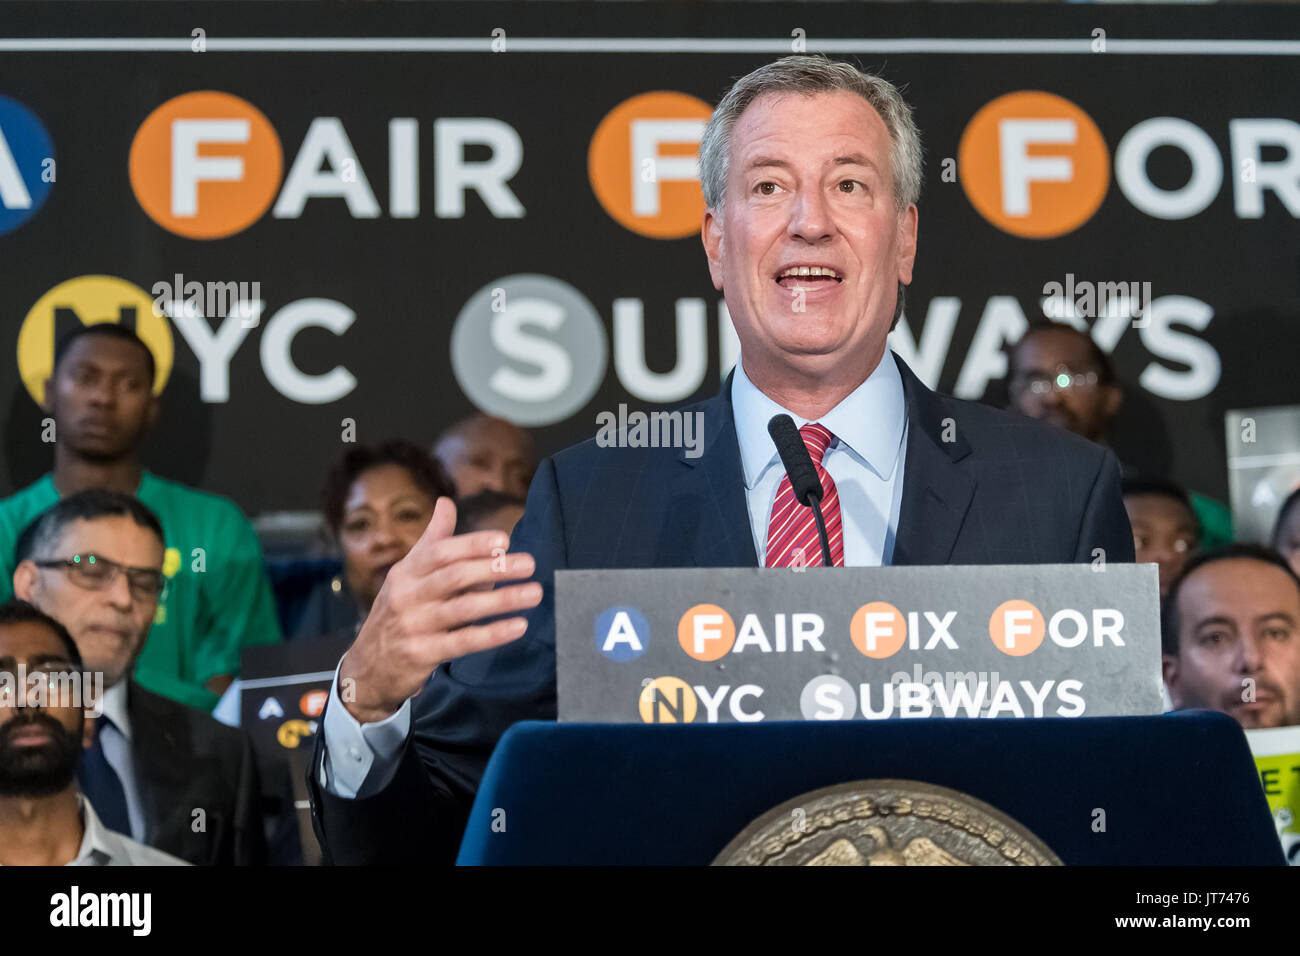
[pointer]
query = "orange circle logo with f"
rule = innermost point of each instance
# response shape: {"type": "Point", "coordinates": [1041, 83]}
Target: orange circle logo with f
{"type": "Point", "coordinates": [878, 629]}
{"type": "Point", "coordinates": [1034, 164]}
{"type": "Point", "coordinates": [205, 165]}
{"type": "Point", "coordinates": [313, 702]}
{"type": "Point", "coordinates": [706, 632]}
{"type": "Point", "coordinates": [643, 164]}
{"type": "Point", "coordinates": [1016, 628]}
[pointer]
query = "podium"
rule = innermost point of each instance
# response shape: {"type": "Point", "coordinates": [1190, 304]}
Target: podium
{"type": "Point", "coordinates": [1177, 789]}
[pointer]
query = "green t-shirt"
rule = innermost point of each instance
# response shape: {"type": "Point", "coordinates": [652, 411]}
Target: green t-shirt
{"type": "Point", "coordinates": [218, 598]}
{"type": "Point", "coordinates": [1215, 519]}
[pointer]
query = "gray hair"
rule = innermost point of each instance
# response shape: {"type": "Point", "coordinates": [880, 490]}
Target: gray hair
{"type": "Point", "coordinates": [809, 75]}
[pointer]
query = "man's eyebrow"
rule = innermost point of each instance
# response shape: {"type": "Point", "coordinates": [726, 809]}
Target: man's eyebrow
{"type": "Point", "coordinates": [9, 662]}
{"type": "Point", "coordinates": [1217, 619]}
{"type": "Point", "coordinates": [852, 159]}
{"type": "Point", "coordinates": [758, 162]}
{"type": "Point", "coordinates": [37, 660]}
{"type": "Point", "coordinates": [1272, 614]}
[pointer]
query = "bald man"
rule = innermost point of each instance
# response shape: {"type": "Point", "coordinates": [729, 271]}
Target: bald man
{"type": "Point", "coordinates": [484, 453]}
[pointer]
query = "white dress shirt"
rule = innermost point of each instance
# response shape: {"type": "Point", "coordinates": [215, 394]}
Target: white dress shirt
{"type": "Point", "coordinates": [866, 461]}
{"type": "Point", "coordinates": [116, 741]}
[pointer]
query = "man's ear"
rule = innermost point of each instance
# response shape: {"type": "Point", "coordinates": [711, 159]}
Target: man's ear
{"type": "Point", "coordinates": [711, 234]}
{"type": "Point", "coordinates": [1169, 669]}
{"type": "Point", "coordinates": [25, 577]}
{"type": "Point", "coordinates": [87, 731]}
{"type": "Point", "coordinates": [151, 413]}
{"type": "Point", "coordinates": [1114, 400]}
{"type": "Point", "coordinates": [47, 404]}
{"type": "Point", "coordinates": [907, 223]}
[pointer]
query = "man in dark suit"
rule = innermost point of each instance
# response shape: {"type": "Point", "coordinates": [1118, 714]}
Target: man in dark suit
{"type": "Point", "coordinates": [811, 172]}
{"type": "Point", "coordinates": [168, 775]}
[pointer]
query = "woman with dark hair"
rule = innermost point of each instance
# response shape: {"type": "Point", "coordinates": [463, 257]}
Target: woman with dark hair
{"type": "Point", "coordinates": [377, 501]}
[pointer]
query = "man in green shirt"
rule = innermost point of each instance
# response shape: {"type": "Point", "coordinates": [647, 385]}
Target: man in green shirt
{"type": "Point", "coordinates": [100, 395]}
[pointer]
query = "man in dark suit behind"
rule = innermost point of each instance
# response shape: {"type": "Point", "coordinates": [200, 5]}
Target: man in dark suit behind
{"type": "Point", "coordinates": [165, 774]}
{"type": "Point", "coordinates": [811, 171]}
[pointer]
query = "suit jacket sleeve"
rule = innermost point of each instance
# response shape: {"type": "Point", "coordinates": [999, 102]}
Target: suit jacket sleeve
{"type": "Point", "coordinates": [419, 815]}
{"type": "Point", "coordinates": [1105, 523]}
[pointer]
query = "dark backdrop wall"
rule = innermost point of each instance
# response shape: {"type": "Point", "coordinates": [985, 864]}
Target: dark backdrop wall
{"type": "Point", "coordinates": [436, 207]}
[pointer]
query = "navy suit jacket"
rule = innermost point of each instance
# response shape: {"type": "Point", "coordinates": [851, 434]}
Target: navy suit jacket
{"type": "Point", "coordinates": [980, 486]}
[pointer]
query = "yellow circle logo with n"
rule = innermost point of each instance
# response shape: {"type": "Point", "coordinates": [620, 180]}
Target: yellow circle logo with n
{"type": "Point", "coordinates": [667, 700]}
{"type": "Point", "coordinates": [89, 300]}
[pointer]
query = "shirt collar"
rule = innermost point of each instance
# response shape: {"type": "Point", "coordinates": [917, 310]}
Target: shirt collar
{"type": "Point", "coordinates": [868, 423]}
{"type": "Point", "coordinates": [115, 708]}
{"type": "Point", "coordinates": [98, 843]}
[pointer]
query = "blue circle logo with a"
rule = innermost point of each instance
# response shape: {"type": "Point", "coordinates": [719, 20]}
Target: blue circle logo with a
{"type": "Point", "coordinates": [622, 633]}
{"type": "Point", "coordinates": [27, 169]}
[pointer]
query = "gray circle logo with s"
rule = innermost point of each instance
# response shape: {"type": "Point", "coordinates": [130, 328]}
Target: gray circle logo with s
{"type": "Point", "coordinates": [529, 348]}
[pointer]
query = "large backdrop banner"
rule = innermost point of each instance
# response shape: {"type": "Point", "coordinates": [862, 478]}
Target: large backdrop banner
{"type": "Point", "coordinates": [338, 222]}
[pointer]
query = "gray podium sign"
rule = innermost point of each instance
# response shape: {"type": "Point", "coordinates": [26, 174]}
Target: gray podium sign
{"type": "Point", "coordinates": [747, 644]}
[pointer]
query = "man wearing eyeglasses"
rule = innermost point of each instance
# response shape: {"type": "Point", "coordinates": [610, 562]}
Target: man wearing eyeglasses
{"type": "Point", "coordinates": [168, 775]}
{"type": "Point", "coordinates": [1058, 374]}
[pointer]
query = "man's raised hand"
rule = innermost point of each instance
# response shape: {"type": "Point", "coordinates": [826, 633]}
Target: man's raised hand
{"type": "Point", "coordinates": [426, 613]}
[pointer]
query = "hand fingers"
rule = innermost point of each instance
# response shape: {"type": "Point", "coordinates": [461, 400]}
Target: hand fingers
{"type": "Point", "coordinates": [440, 526]}
{"type": "Point", "coordinates": [451, 579]}
{"type": "Point", "coordinates": [442, 552]}
{"type": "Point", "coordinates": [481, 637]}
{"type": "Point", "coordinates": [472, 606]}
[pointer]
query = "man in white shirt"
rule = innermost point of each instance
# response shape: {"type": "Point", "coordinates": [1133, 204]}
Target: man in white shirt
{"type": "Point", "coordinates": [44, 724]}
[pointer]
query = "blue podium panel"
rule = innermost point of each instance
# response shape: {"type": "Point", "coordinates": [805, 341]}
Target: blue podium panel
{"type": "Point", "coordinates": [1177, 789]}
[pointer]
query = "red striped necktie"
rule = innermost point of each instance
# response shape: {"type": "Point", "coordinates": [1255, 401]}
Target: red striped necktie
{"type": "Point", "coordinates": [792, 532]}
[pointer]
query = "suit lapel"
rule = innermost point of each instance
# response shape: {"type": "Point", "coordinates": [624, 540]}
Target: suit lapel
{"type": "Point", "coordinates": [936, 493]}
{"type": "Point", "coordinates": [158, 741]}
{"type": "Point", "coordinates": [722, 537]}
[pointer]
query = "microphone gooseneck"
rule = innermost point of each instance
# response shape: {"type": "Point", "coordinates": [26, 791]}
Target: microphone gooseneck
{"type": "Point", "coordinates": [802, 472]}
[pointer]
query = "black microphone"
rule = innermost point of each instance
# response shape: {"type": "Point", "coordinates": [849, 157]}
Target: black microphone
{"type": "Point", "coordinates": [799, 466]}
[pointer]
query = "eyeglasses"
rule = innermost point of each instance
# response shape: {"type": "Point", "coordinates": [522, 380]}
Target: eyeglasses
{"type": "Point", "coordinates": [1060, 380]}
{"type": "Point", "coordinates": [52, 674]}
{"type": "Point", "coordinates": [94, 573]}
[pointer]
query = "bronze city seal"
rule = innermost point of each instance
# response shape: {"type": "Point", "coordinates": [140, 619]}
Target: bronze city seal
{"type": "Point", "coordinates": [885, 823]}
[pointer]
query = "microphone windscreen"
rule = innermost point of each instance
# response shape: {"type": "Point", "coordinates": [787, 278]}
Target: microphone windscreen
{"type": "Point", "coordinates": [794, 456]}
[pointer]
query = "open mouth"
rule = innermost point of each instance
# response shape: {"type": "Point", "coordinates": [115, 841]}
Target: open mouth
{"type": "Point", "coordinates": [808, 277]}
